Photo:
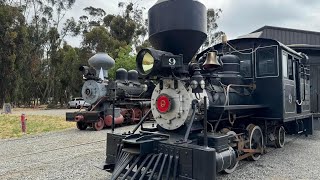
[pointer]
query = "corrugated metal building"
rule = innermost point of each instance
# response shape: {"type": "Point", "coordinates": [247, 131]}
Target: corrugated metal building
{"type": "Point", "coordinates": [304, 41]}
{"type": "Point", "coordinates": [287, 36]}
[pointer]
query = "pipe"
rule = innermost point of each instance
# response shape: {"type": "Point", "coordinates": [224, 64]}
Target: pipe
{"type": "Point", "coordinates": [186, 136]}
{"type": "Point", "coordinates": [205, 128]}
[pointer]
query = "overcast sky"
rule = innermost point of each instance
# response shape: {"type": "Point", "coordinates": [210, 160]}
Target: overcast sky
{"type": "Point", "coordinates": [238, 17]}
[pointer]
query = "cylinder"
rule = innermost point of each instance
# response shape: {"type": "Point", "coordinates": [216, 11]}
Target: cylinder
{"type": "Point", "coordinates": [117, 120]}
{"type": "Point", "coordinates": [225, 159]}
{"type": "Point", "coordinates": [78, 118]}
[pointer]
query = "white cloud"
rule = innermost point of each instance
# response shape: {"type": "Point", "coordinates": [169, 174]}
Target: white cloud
{"type": "Point", "coordinates": [242, 17]}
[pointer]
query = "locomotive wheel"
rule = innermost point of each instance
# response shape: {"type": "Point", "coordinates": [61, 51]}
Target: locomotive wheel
{"type": "Point", "coordinates": [136, 115]}
{"type": "Point", "coordinates": [82, 125]}
{"type": "Point", "coordinates": [98, 125]}
{"type": "Point", "coordinates": [280, 135]}
{"type": "Point", "coordinates": [255, 141]}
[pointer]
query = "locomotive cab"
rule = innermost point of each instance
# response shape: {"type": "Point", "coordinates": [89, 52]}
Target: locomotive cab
{"type": "Point", "coordinates": [281, 76]}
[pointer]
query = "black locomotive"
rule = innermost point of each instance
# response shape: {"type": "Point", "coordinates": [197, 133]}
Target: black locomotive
{"type": "Point", "coordinates": [131, 99]}
{"type": "Point", "coordinates": [225, 105]}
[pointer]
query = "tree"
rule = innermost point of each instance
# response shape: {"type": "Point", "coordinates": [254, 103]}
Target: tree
{"type": "Point", "coordinates": [213, 36]}
{"type": "Point", "coordinates": [118, 35]}
{"type": "Point", "coordinates": [12, 49]}
{"type": "Point", "coordinates": [70, 79]}
{"type": "Point", "coordinates": [100, 40]}
{"type": "Point", "coordinates": [128, 27]}
{"type": "Point", "coordinates": [37, 64]}
{"type": "Point", "coordinates": [124, 60]}
{"type": "Point", "coordinates": [45, 40]}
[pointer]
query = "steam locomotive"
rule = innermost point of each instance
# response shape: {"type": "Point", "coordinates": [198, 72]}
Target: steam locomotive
{"type": "Point", "coordinates": [225, 105]}
{"type": "Point", "coordinates": [125, 98]}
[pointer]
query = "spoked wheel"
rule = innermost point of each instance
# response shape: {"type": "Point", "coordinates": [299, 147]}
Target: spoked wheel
{"type": "Point", "coordinates": [98, 125]}
{"type": "Point", "coordinates": [82, 125]}
{"type": "Point", "coordinates": [280, 135]}
{"type": "Point", "coordinates": [233, 167]}
{"type": "Point", "coordinates": [255, 141]}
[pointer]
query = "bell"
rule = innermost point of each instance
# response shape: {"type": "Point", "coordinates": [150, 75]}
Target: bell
{"type": "Point", "coordinates": [211, 61]}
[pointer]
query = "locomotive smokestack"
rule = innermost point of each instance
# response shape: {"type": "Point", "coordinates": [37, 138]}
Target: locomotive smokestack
{"type": "Point", "coordinates": [101, 61]}
{"type": "Point", "coordinates": [178, 26]}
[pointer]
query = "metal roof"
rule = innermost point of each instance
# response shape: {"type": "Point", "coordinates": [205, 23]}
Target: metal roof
{"type": "Point", "coordinates": [287, 29]}
{"type": "Point", "coordinates": [286, 35]}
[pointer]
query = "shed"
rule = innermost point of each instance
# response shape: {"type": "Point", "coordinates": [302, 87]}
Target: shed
{"type": "Point", "coordinates": [286, 36]}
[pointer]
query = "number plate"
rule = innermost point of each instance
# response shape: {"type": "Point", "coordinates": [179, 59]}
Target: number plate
{"type": "Point", "coordinates": [171, 61]}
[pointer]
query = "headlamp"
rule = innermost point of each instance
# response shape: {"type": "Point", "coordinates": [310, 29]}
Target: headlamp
{"type": "Point", "coordinates": [151, 62]}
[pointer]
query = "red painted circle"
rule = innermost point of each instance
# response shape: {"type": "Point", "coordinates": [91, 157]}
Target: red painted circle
{"type": "Point", "coordinates": [163, 103]}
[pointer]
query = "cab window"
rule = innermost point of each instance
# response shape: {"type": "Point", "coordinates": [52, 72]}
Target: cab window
{"type": "Point", "coordinates": [267, 62]}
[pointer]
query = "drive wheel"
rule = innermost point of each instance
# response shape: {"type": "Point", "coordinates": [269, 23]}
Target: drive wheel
{"type": "Point", "coordinates": [255, 141]}
{"type": "Point", "coordinates": [280, 135]}
{"type": "Point", "coordinates": [82, 125]}
{"type": "Point", "coordinates": [98, 125]}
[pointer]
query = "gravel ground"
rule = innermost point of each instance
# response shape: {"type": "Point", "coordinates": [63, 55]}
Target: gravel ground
{"type": "Point", "coordinates": [73, 154]}
{"type": "Point", "coordinates": [68, 154]}
{"type": "Point", "coordinates": [299, 159]}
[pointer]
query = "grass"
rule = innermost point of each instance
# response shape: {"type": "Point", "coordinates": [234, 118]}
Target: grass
{"type": "Point", "coordinates": [10, 125]}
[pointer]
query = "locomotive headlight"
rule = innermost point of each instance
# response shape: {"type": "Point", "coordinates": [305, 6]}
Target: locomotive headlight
{"type": "Point", "coordinates": [194, 84]}
{"type": "Point", "coordinates": [202, 84]}
{"type": "Point", "coordinates": [151, 62]}
{"type": "Point", "coordinates": [147, 63]}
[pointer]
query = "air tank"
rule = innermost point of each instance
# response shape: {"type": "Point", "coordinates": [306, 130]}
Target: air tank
{"type": "Point", "coordinates": [178, 26]}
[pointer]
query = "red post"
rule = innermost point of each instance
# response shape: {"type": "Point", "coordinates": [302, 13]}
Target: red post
{"type": "Point", "coordinates": [23, 123]}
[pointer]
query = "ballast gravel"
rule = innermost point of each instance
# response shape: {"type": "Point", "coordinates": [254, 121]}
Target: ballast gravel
{"type": "Point", "coordinates": [73, 154]}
